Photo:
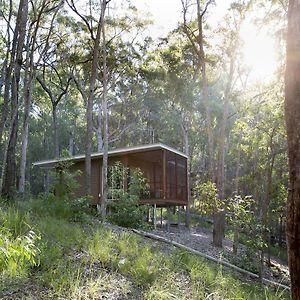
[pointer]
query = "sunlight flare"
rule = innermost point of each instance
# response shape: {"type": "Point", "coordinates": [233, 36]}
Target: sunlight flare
{"type": "Point", "coordinates": [259, 53]}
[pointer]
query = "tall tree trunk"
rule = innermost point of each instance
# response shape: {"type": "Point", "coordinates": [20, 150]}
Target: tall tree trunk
{"type": "Point", "coordinates": [268, 200]}
{"type": "Point", "coordinates": [237, 180]}
{"type": "Point", "coordinates": [99, 129]}
{"type": "Point", "coordinates": [28, 86]}
{"type": "Point", "coordinates": [211, 163]}
{"type": "Point", "coordinates": [27, 103]}
{"type": "Point", "coordinates": [71, 142]}
{"type": "Point", "coordinates": [55, 130]}
{"type": "Point", "coordinates": [9, 180]}
{"type": "Point", "coordinates": [105, 117]}
{"type": "Point", "coordinates": [292, 117]}
{"type": "Point", "coordinates": [8, 66]}
{"type": "Point", "coordinates": [187, 153]}
{"type": "Point", "coordinates": [219, 215]}
{"type": "Point", "coordinates": [265, 214]}
{"type": "Point", "coordinates": [89, 110]}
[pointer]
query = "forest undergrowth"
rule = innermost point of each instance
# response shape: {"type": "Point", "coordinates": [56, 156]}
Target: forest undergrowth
{"type": "Point", "coordinates": [55, 250]}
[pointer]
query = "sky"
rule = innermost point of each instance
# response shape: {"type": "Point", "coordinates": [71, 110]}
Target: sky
{"type": "Point", "coordinates": [167, 13]}
{"type": "Point", "coordinates": [259, 47]}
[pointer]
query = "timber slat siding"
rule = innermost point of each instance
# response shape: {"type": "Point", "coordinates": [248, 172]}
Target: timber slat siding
{"type": "Point", "coordinates": [152, 161]}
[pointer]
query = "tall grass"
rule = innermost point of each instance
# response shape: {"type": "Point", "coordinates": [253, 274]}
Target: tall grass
{"type": "Point", "coordinates": [75, 259]}
{"type": "Point", "coordinates": [19, 252]}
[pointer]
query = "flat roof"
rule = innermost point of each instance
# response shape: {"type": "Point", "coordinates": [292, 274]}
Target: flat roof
{"type": "Point", "coordinates": [115, 152]}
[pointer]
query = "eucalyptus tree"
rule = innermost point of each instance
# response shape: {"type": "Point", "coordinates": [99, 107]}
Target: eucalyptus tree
{"type": "Point", "coordinates": [196, 38]}
{"type": "Point", "coordinates": [11, 91]}
{"type": "Point", "coordinates": [39, 10]}
{"type": "Point", "coordinates": [90, 95]}
{"type": "Point", "coordinates": [292, 117]}
{"type": "Point", "coordinates": [55, 75]}
{"type": "Point", "coordinates": [7, 62]}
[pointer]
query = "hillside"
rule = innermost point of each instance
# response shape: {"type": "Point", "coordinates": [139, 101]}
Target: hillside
{"type": "Point", "coordinates": [53, 252]}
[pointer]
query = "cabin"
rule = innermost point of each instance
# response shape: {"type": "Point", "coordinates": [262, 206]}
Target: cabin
{"type": "Point", "coordinates": [164, 168]}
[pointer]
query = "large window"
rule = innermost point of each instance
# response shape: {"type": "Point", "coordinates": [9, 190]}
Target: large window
{"type": "Point", "coordinates": [181, 178]}
{"type": "Point", "coordinates": [176, 177]}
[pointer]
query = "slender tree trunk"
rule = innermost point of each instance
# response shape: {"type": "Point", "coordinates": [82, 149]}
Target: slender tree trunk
{"type": "Point", "coordinates": [10, 61]}
{"type": "Point", "coordinates": [99, 129]}
{"type": "Point", "coordinates": [9, 180]}
{"type": "Point", "coordinates": [187, 152]}
{"type": "Point", "coordinates": [27, 103]}
{"type": "Point", "coordinates": [55, 130]}
{"type": "Point", "coordinates": [292, 117]}
{"type": "Point", "coordinates": [71, 142]}
{"type": "Point", "coordinates": [211, 162]}
{"type": "Point", "coordinates": [267, 209]}
{"type": "Point", "coordinates": [28, 85]}
{"type": "Point", "coordinates": [265, 214]}
{"type": "Point", "coordinates": [237, 180]}
{"type": "Point", "coordinates": [219, 215]}
{"type": "Point", "coordinates": [89, 110]}
{"type": "Point", "coordinates": [105, 116]}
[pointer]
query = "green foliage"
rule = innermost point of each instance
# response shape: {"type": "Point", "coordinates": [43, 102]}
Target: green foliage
{"type": "Point", "coordinates": [247, 260]}
{"type": "Point", "coordinates": [243, 220]}
{"type": "Point", "coordinates": [18, 244]}
{"type": "Point", "coordinates": [75, 209]}
{"type": "Point", "coordinates": [65, 181]}
{"type": "Point", "coordinates": [124, 203]}
{"type": "Point", "coordinates": [77, 261]}
{"type": "Point", "coordinates": [205, 197]}
{"type": "Point", "coordinates": [240, 213]}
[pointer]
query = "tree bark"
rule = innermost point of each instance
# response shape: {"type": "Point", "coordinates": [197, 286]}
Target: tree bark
{"type": "Point", "coordinates": [201, 55]}
{"type": "Point", "coordinates": [27, 103]}
{"type": "Point", "coordinates": [292, 117]}
{"type": "Point", "coordinates": [8, 66]}
{"type": "Point", "coordinates": [187, 152]}
{"type": "Point", "coordinates": [219, 216]}
{"type": "Point", "coordinates": [55, 100]}
{"type": "Point", "coordinates": [9, 180]}
{"type": "Point", "coordinates": [105, 116]}
{"type": "Point", "coordinates": [71, 143]}
{"type": "Point", "coordinates": [89, 109]}
{"type": "Point", "coordinates": [55, 130]}
{"type": "Point", "coordinates": [237, 179]}
{"type": "Point", "coordinates": [99, 129]}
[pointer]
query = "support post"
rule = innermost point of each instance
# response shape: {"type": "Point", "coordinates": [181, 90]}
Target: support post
{"type": "Point", "coordinates": [154, 216]}
{"type": "Point", "coordinates": [169, 221]}
{"type": "Point", "coordinates": [161, 216]}
{"type": "Point", "coordinates": [164, 175]}
{"type": "Point", "coordinates": [46, 181]}
{"type": "Point", "coordinates": [148, 214]}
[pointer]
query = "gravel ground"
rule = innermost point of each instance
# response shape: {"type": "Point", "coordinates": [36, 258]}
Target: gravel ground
{"type": "Point", "coordinates": [201, 239]}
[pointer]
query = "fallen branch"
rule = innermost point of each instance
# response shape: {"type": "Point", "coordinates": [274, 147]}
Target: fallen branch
{"type": "Point", "coordinates": [218, 261]}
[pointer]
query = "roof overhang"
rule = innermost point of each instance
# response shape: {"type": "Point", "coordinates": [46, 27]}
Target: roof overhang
{"type": "Point", "coordinates": [120, 151]}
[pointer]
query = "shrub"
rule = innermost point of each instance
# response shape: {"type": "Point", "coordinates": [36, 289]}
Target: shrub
{"type": "Point", "coordinates": [205, 197]}
{"type": "Point", "coordinates": [18, 243]}
{"type": "Point", "coordinates": [127, 212]}
{"type": "Point", "coordinates": [124, 204]}
{"type": "Point", "coordinates": [76, 210]}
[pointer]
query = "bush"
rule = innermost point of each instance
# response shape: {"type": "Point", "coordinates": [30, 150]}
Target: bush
{"type": "Point", "coordinates": [127, 212]}
{"type": "Point", "coordinates": [124, 204]}
{"type": "Point", "coordinates": [205, 197]}
{"type": "Point", "coordinates": [76, 210]}
{"type": "Point", "coordinates": [18, 243]}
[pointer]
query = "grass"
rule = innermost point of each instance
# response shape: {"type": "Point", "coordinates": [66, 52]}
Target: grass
{"type": "Point", "coordinates": [85, 260]}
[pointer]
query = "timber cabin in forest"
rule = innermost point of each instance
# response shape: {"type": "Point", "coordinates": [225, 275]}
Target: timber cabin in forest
{"type": "Point", "coordinates": [164, 168]}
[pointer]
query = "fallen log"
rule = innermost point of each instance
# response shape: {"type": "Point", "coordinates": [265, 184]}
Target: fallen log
{"type": "Point", "coordinates": [218, 261]}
